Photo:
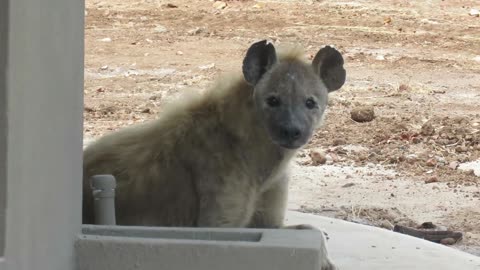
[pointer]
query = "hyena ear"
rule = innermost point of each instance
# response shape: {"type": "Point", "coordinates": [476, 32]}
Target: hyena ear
{"type": "Point", "coordinates": [259, 58]}
{"type": "Point", "coordinates": [328, 63]}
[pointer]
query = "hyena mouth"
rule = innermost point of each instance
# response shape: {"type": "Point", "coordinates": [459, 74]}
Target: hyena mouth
{"type": "Point", "coordinates": [291, 145]}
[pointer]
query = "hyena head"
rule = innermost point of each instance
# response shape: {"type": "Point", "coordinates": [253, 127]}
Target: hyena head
{"type": "Point", "coordinates": [290, 95]}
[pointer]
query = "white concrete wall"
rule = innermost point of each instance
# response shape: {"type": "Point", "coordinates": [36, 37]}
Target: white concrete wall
{"type": "Point", "coordinates": [44, 135]}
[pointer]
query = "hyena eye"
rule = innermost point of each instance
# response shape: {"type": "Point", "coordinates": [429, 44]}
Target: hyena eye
{"type": "Point", "coordinates": [310, 103]}
{"type": "Point", "coordinates": [273, 101]}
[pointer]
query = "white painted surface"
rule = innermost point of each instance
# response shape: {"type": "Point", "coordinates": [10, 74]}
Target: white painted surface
{"type": "Point", "coordinates": [359, 247]}
{"type": "Point", "coordinates": [45, 111]}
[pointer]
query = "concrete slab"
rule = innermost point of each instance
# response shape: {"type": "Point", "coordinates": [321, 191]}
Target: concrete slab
{"type": "Point", "coordinates": [154, 248]}
{"type": "Point", "coordinates": [357, 247]}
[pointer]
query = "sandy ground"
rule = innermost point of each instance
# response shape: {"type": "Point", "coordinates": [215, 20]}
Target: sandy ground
{"type": "Point", "coordinates": [416, 63]}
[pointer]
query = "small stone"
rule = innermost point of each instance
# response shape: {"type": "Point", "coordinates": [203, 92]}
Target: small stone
{"type": "Point", "coordinates": [195, 31]}
{"type": "Point", "coordinates": [461, 149]}
{"type": "Point", "coordinates": [104, 67]}
{"type": "Point", "coordinates": [160, 29]}
{"type": "Point", "coordinates": [362, 156]}
{"type": "Point", "coordinates": [329, 159]}
{"type": "Point", "coordinates": [386, 225]}
{"type": "Point", "coordinates": [318, 157]}
{"type": "Point", "coordinates": [146, 110]}
{"type": "Point", "coordinates": [416, 140]}
{"type": "Point", "coordinates": [179, 53]}
{"type": "Point", "coordinates": [205, 67]}
{"type": "Point", "coordinates": [88, 109]}
{"type": "Point", "coordinates": [474, 12]}
{"type": "Point", "coordinates": [380, 57]}
{"type": "Point", "coordinates": [431, 162]}
{"type": "Point", "coordinates": [427, 129]}
{"type": "Point", "coordinates": [362, 114]}
{"type": "Point", "coordinates": [441, 161]}
{"type": "Point", "coordinates": [156, 97]}
{"type": "Point", "coordinates": [403, 88]}
{"type": "Point", "coordinates": [432, 179]}
{"type": "Point", "coordinates": [448, 241]}
{"type": "Point", "coordinates": [453, 165]}
{"type": "Point", "coordinates": [339, 141]}
{"type": "Point", "coordinates": [411, 159]}
{"type": "Point", "coordinates": [462, 158]}
{"type": "Point", "coordinates": [107, 39]}
{"type": "Point", "coordinates": [427, 225]}
{"type": "Point", "coordinates": [348, 185]}
{"type": "Point", "coordinates": [476, 58]}
{"type": "Point", "coordinates": [219, 5]}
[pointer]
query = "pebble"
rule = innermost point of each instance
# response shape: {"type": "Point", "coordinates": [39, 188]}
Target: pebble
{"type": "Point", "coordinates": [318, 157]}
{"type": "Point", "coordinates": [160, 29]}
{"type": "Point", "coordinates": [338, 142]}
{"type": "Point", "coordinates": [427, 129]}
{"type": "Point", "coordinates": [205, 67]}
{"type": "Point", "coordinates": [329, 159]}
{"type": "Point", "coordinates": [453, 165]}
{"type": "Point", "coordinates": [462, 158]}
{"type": "Point", "coordinates": [380, 57]}
{"type": "Point", "coordinates": [219, 5]}
{"type": "Point", "coordinates": [195, 31]}
{"type": "Point", "coordinates": [431, 162]}
{"type": "Point", "coordinates": [362, 114]}
{"type": "Point", "coordinates": [156, 97]}
{"type": "Point", "coordinates": [474, 12]}
{"type": "Point", "coordinates": [470, 172]}
{"type": "Point", "coordinates": [386, 225]}
{"type": "Point", "coordinates": [448, 241]}
{"type": "Point", "coordinates": [432, 179]}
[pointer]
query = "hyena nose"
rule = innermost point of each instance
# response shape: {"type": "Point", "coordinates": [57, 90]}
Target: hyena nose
{"type": "Point", "coordinates": [291, 133]}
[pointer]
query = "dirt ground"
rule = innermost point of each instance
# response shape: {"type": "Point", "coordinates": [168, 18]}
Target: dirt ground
{"type": "Point", "coordinates": [416, 63]}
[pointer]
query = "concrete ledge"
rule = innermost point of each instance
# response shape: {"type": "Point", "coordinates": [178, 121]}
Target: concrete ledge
{"type": "Point", "coordinates": [359, 247]}
{"type": "Point", "coordinates": [147, 248]}
{"type": "Point", "coordinates": [351, 247]}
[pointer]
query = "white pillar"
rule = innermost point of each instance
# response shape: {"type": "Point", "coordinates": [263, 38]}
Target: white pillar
{"type": "Point", "coordinates": [44, 106]}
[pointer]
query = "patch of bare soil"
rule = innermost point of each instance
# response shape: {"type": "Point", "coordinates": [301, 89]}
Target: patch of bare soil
{"type": "Point", "coordinates": [415, 64]}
